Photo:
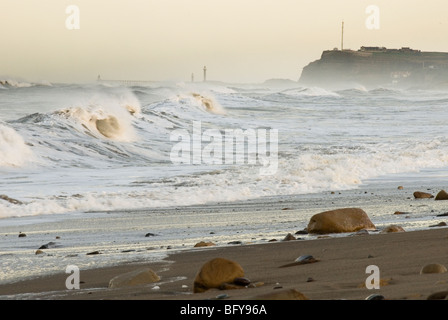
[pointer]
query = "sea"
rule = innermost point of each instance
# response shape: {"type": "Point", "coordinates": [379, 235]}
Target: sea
{"type": "Point", "coordinates": [87, 165]}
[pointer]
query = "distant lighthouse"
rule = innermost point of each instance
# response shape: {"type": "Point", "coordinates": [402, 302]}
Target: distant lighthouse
{"type": "Point", "coordinates": [205, 73]}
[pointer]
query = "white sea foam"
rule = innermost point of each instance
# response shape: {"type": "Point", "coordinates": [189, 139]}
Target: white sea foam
{"type": "Point", "coordinates": [310, 92]}
{"type": "Point", "coordinates": [13, 149]}
{"type": "Point", "coordinates": [106, 149]}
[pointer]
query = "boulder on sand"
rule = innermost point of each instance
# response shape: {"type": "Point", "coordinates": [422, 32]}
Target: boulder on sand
{"type": "Point", "coordinates": [134, 278]}
{"type": "Point", "coordinates": [216, 272]}
{"type": "Point", "coordinates": [422, 195]}
{"type": "Point", "coordinates": [442, 195]}
{"type": "Point", "coordinates": [339, 221]}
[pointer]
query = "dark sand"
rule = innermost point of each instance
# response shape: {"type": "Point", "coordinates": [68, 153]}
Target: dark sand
{"type": "Point", "coordinates": [340, 273]}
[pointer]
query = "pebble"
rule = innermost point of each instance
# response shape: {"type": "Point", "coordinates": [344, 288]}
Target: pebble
{"type": "Point", "coordinates": [241, 281]}
{"type": "Point", "coordinates": [375, 297]}
{"type": "Point", "coordinates": [256, 284]}
{"type": "Point", "coordinates": [305, 259]}
{"type": "Point", "coordinates": [441, 224]}
{"type": "Point", "coordinates": [48, 245]}
{"type": "Point", "coordinates": [93, 253]}
{"type": "Point", "coordinates": [149, 234]}
{"type": "Point", "coordinates": [442, 215]}
{"type": "Point", "coordinates": [433, 268]}
{"type": "Point", "coordinates": [204, 244]}
{"type": "Point", "coordinates": [278, 286]}
{"type": "Point", "coordinates": [289, 237]}
{"type": "Point", "coordinates": [441, 295]}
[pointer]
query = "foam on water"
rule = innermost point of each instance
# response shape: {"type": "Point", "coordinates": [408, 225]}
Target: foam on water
{"type": "Point", "coordinates": [13, 149]}
{"type": "Point", "coordinates": [108, 147]}
{"type": "Point", "coordinates": [71, 155]}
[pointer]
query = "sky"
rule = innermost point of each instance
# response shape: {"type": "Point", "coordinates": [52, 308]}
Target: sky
{"type": "Point", "coordinates": [239, 41]}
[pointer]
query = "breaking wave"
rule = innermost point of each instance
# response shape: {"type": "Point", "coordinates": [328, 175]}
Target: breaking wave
{"type": "Point", "coordinates": [13, 149]}
{"type": "Point", "coordinates": [109, 148]}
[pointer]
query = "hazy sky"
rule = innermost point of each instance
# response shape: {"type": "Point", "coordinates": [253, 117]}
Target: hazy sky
{"type": "Point", "coordinates": [238, 40]}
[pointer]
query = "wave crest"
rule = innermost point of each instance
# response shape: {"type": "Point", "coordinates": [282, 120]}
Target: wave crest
{"type": "Point", "coordinates": [13, 149]}
{"type": "Point", "coordinates": [102, 122]}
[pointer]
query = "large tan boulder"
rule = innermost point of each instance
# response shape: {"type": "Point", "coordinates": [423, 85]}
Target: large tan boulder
{"type": "Point", "coordinates": [422, 195]}
{"type": "Point", "coordinates": [215, 273]}
{"type": "Point", "coordinates": [134, 278]}
{"type": "Point", "coordinates": [340, 220]}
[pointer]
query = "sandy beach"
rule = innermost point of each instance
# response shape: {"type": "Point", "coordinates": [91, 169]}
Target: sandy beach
{"type": "Point", "coordinates": [340, 273]}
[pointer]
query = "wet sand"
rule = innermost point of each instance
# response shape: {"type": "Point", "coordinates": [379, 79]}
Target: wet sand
{"type": "Point", "coordinates": [340, 273]}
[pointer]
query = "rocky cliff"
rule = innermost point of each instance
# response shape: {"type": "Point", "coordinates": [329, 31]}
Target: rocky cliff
{"type": "Point", "coordinates": [378, 66]}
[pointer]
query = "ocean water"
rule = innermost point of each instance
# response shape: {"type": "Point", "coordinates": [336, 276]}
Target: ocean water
{"type": "Point", "coordinates": [76, 151]}
{"type": "Point", "coordinates": [54, 158]}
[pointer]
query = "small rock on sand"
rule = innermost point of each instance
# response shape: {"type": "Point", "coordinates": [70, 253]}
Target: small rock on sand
{"type": "Point", "coordinates": [134, 278]}
{"type": "Point", "coordinates": [442, 214]}
{"type": "Point", "coordinates": [49, 245]}
{"type": "Point", "coordinates": [422, 195]}
{"type": "Point", "coordinates": [149, 234]}
{"type": "Point", "coordinates": [93, 253]}
{"type": "Point", "coordinates": [440, 224]}
{"type": "Point", "coordinates": [204, 244]}
{"type": "Point", "coordinates": [442, 195]}
{"type": "Point", "coordinates": [289, 237]}
{"type": "Point", "coordinates": [441, 295]}
{"type": "Point", "coordinates": [392, 228]}
{"type": "Point", "coordinates": [303, 259]}
{"type": "Point", "coordinates": [375, 296]}
{"type": "Point", "coordinates": [433, 268]}
{"type": "Point", "coordinates": [241, 281]}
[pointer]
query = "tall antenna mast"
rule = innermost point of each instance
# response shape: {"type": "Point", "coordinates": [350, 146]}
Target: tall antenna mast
{"type": "Point", "coordinates": [205, 73]}
{"type": "Point", "coordinates": [342, 37]}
